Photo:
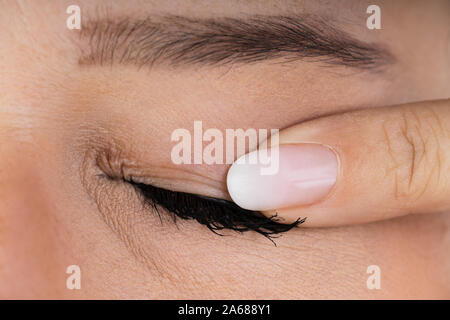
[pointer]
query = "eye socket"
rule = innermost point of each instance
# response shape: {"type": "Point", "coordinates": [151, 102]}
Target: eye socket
{"type": "Point", "coordinates": [216, 214]}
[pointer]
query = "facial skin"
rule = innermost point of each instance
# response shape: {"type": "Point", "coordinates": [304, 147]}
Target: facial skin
{"type": "Point", "coordinates": [59, 116]}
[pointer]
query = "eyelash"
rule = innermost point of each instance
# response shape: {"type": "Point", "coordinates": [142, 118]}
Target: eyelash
{"type": "Point", "coordinates": [216, 214]}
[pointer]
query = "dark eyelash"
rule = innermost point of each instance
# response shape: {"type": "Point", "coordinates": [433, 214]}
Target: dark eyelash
{"type": "Point", "coordinates": [216, 214]}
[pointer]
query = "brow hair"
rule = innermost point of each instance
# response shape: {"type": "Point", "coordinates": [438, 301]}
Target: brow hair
{"type": "Point", "coordinates": [179, 41]}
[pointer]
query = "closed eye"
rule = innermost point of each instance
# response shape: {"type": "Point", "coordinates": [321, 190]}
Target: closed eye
{"type": "Point", "coordinates": [216, 214]}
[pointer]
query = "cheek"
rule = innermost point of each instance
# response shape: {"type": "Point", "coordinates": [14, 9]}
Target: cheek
{"type": "Point", "coordinates": [47, 223]}
{"type": "Point", "coordinates": [305, 264]}
{"type": "Point", "coordinates": [29, 250]}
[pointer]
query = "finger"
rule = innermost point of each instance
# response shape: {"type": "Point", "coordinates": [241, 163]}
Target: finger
{"type": "Point", "coordinates": [354, 167]}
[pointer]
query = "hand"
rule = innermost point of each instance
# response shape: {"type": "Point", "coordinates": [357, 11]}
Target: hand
{"type": "Point", "coordinates": [355, 167]}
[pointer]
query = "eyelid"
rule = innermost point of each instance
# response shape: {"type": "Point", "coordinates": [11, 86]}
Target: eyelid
{"type": "Point", "coordinates": [216, 214]}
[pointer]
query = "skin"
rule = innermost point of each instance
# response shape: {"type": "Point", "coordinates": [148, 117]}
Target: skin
{"type": "Point", "coordinates": [57, 118]}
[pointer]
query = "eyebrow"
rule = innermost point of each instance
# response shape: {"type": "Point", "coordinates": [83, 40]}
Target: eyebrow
{"type": "Point", "coordinates": [180, 41]}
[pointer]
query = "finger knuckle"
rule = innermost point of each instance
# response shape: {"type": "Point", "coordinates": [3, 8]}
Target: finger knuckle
{"type": "Point", "coordinates": [414, 147]}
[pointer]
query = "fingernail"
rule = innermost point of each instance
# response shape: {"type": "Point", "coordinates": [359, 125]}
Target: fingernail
{"type": "Point", "coordinates": [305, 174]}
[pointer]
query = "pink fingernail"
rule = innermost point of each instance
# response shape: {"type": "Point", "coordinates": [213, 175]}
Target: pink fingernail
{"type": "Point", "coordinates": [305, 174]}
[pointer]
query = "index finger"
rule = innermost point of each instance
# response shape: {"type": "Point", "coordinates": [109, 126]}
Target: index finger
{"type": "Point", "coordinates": [354, 167]}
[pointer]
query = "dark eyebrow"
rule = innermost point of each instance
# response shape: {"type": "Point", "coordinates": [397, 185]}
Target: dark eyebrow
{"type": "Point", "coordinates": [180, 41]}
